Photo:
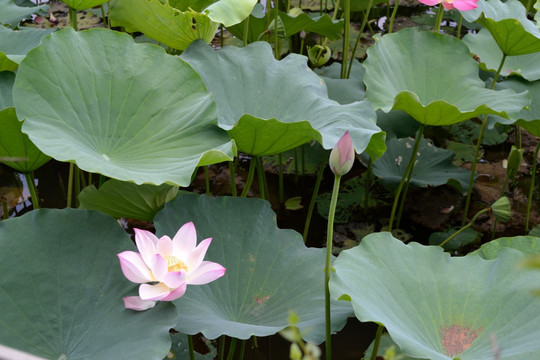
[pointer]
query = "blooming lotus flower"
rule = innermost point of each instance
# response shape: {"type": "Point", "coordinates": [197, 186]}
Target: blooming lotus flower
{"type": "Point", "coordinates": [342, 155]}
{"type": "Point", "coordinates": [164, 267]}
{"type": "Point", "coordinates": [461, 5]}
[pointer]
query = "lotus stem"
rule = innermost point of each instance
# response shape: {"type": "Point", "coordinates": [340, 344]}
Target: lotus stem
{"type": "Point", "coordinates": [242, 349]}
{"type": "Point", "coordinates": [327, 268]}
{"type": "Point", "coordinates": [377, 342]}
{"type": "Point", "coordinates": [232, 347]}
{"type": "Point", "coordinates": [70, 184]}
{"type": "Point", "coordinates": [364, 22]}
{"type": "Point", "coordinates": [409, 169]}
{"type": "Point", "coordinates": [518, 136]}
{"type": "Point", "coordinates": [190, 347]}
{"type": "Point", "coordinates": [438, 20]}
{"type": "Point", "coordinates": [276, 32]}
{"type": "Point", "coordinates": [32, 188]}
{"type": "Point", "coordinates": [494, 229]}
{"type": "Point", "coordinates": [392, 17]}
{"type": "Point", "coordinates": [246, 33]}
{"type": "Point", "coordinates": [458, 28]}
{"type": "Point", "coordinates": [221, 351]}
{"type": "Point", "coordinates": [280, 185]}
{"type": "Point", "coordinates": [531, 188]}
{"type": "Point", "coordinates": [249, 180]}
{"type": "Point", "coordinates": [346, 37]}
{"type": "Point", "coordinates": [232, 173]}
{"type": "Point", "coordinates": [263, 189]}
{"type": "Point", "coordinates": [77, 177]}
{"type": "Point", "coordinates": [73, 18]}
{"type": "Point", "coordinates": [477, 149]}
{"type": "Point", "coordinates": [464, 227]}
{"type": "Point", "coordinates": [314, 197]}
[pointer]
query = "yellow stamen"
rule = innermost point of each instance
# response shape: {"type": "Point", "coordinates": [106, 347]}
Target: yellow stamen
{"type": "Point", "coordinates": [174, 264]}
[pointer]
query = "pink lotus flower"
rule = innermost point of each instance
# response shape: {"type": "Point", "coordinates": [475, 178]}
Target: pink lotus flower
{"type": "Point", "coordinates": [461, 5]}
{"type": "Point", "coordinates": [164, 267]}
{"type": "Point", "coordinates": [342, 155]}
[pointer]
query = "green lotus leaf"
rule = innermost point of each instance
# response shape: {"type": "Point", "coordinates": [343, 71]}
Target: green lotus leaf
{"type": "Point", "coordinates": [7, 78]}
{"type": "Point", "coordinates": [488, 53]}
{"type": "Point", "coordinates": [162, 22]}
{"type": "Point", "coordinates": [508, 23]}
{"type": "Point", "coordinates": [15, 144]}
{"type": "Point", "coordinates": [420, 79]}
{"type": "Point", "coordinates": [11, 14]}
{"type": "Point", "coordinates": [15, 44]}
{"type": "Point", "coordinates": [141, 115]}
{"type": "Point", "coordinates": [464, 238]}
{"type": "Point", "coordinates": [440, 307]}
{"type": "Point", "coordinates": [83, 4]}
{"type": "Point", "coordinates": [387, 350]}
{"type": "Point", "coordinates": [230, 12]}
{"type": "Point", "coordinates": [62, 287]}
{"type": "Point", "coordinates": [271, 106]}
{"type": "Point", "coordinates": [256, 23]}
{"type": "Point", "coordinates": [344, 91]}
{"type": "Point", "coordinates": [126, 199]}
{"type": "Point", "coordinates": [433, 165]}
{"type": "Point", "coordinates": [526, 244]}
{"type": "Point", "coordinates": [397, 123]}
{"type": "Point", "coordinates": [270, 271]}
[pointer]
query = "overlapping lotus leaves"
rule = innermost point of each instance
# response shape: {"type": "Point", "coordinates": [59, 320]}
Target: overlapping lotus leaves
{"type": "Point", "coordinates": [125, 110]}
{"type": "Point", "coordinates": [344, 91]}
{"type": "Point", "coordinates": [508, 23]}
{"type": "Point", "coordinates": [440, 307]}
{"type": "Point", "coordinates": [62, 288]}
{"type": "Point", "coordinates": [15, 44]}
{"type": "Point", "coordinates": [433, 165]}
{"type": "Point", "coordinates": [416, 71]}
{"type": "Point", "coordinates": [11, 14]}
{"type": "Point", "coordinates": [15, 144]}
{"type": "Point", "coordinates": [7, 79]}
{"type": "Point", "coordinates": [83, 4]}
{"type": "Point", "coordinates": [486, 50]}
{"type": "Point", "coordinates": [271, 106]}
{"type": "Point", "coordinates": [269, 271]}
{"type": "Point", "coordinates": [126, 199]}
{"type": "Point", "coordinates": [527, 244]}
{"type": "Point", "coordinates": [387, 349]}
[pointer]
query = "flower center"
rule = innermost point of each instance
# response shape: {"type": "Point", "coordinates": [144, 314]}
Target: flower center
{"type": "Point", "coordinates": [174, 264]}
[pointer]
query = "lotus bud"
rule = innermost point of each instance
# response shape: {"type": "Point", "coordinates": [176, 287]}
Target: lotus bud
{"type": "Point", "coordinates": [319, 55]}
{"type": "Point", "coordinates": [514, 162]}
{"type": "Point", "coordinates": [342, 155]}
{"type": "Point", "coordinates": [501, 209]}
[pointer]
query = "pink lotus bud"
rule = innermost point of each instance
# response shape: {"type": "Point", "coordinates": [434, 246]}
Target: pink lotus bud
{"type": "Point", "coordinates": [342, 155]}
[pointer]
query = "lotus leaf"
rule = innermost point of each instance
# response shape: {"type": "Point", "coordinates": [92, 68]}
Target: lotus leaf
{"type": "Point", "coordinates": [416, 79]}
{"type": "Point", "coordinates": [344, 91]}
{"type": "Point", "coordinates": [141, 115]}
{"type": "Point", "coordinates": [15, 44]}
{"type": "Point", "coordinates": [270, 106]}
{"type": "Point", "coordinates": [62, 287]}
{"type": "Point", "coordinates": [440, 307]}
{"type": "Point", "coordinates": [83, 4]}
{"type": "Point", "coordinates": [7, 78]}
{"type": "Point", "coordinates": [527, 244]}
{"type": "Point", "coordinates": [11, 14]}
{"type": "Point", "coordinates": [270, 271]}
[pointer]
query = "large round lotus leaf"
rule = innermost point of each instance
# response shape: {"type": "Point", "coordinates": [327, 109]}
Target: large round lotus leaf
{"type": "Point", "coordinates": [270, 271]}
{"type": "Point", "coordinates": [344, 91]}
{"type": "Point", "coordinates": [508, 23]}
{"type": "Point", "coordinates": [62, 287]}
{"type": "Point", "coordinates": [440, 307]}
{"type": "Point", "coordinates": [421, 78]}
{"type": "Point", "coordinates": [433, 165]}
{"type": "Point", "coordinates": [15, 144]}
{"type": "Point", "coordinates": [526, 244]}
{"type": "Point", "coordinates": [11, 14]}
{"type": "Point", "coordinates": [128, 111]}
{"type": "Point", "coordinates": [15, 44]}
{"type": "Point", "coordinates": [486, 50]}
{"type": "Point", "coordinates": [7, 78]}
{"type": "Point", "coordinates": [126, 199]}
{"type": "Point", "coordinates": [271, 106]}
{"type": "Point", "coordinates": [83, 4]}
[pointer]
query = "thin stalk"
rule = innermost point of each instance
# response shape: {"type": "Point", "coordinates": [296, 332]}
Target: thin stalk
{"type": "Point", "coordinates": [90, 175]}
{"type": "Point", "coordinates": [281, 196]}
{"type": "Point", "coordinates": [346, 37]}
{"type": "Point", "coordinates": [494, 229]}
{"type": "Point", "coordinates": [232, 347]}
{"type": "Point", "coordinates": [221, 39]}
{"type": "Point", "coordinates": [73, 18]}
{"type": "Point", "coordinates": [364, 22]}
{"type": "Point", "coordinates": [246, 32]}
{"type": "Point", "coordinates": [232, 172]}
{"type": "Point", "coordinates": [483, 211]}
{"type": "Point", "coordinates": [531, 187]}
{"type": "Point", "coordinates": [438, 21]}
{"type": "Point", "coordinates": [377, 343]}
{"type": "Point", "coordinates": [260, 175]}
{"type": "Point", "coordinates": [32, 188]}
{"type": "Point", "coordinates": [408, 171]}
{"type": "Point", "coordinates": [83, 179]}
{"type": "Point", "coordinates": [77, 177]}
{"type": "Point", "coordinates": [190, 347]}
{"type": "Point", "coordinates": [263, 177]}
{"type": "Point", "coordinates": [459, 25]}
{"type": "Point", "coordinates": [327, 267]}
{"type": "Point", "coordinates": [392, 17]}
{"type": "Point", "coordinates": [528, 7]}
{"type": "Point", "coordinates": [70, 184]}
{"type": "Point", "coordinates": [314, 197]}
{"type": "Point", "coordinates": [249, 180]}
{"type": "Point", "coordinates": [5, 210]}
{"type": "Point", "coordinates": [104, 18]}
{"type": "Point", "coordinates": [477, 149]}
{"type": "Point", "coordinates": [276, 32]}
{"type": "Point", "coordinates": [242, 349]}
{"type": "Point", "coordinates": [221, 350]}
{"type": "Point", "coordinates": [206, 180]}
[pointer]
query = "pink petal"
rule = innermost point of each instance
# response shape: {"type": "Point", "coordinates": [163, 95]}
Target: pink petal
{"type": "Point", "coordinates": [448, 6]}
{"type": "Point", "coordinates": [134, 268]}
{"type": "Point", "coordinates": [465, 5]}
{"type": "Point", "coordinates": [153, 292]}
{"type": "Point", "coordinates": [145, 241]}
{"type": "Point", "coordinates": [176, 293]}
{"type": "Point", "coordinates": [174, 279]}
{"type": "Point", "coordinates": [136, 303]}
{"type": "Point", "coordinates": [185, 239]}
{"type": "Point", "coordinates": [430, 2]}
{"type": "Point", "coordinates": [164, 246]}
{"type": "Point", "coordinates": [195, 257]}
{"type": "Point", "coordinates": [207, 272]}
{"type": "Point", "coordinates": [158, 266]}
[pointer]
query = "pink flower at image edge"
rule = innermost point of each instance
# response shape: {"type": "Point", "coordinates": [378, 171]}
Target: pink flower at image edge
{"type": "Point", "coordinates": [164, 266]}
{"type": "Point", "coordinates": [461, 5]}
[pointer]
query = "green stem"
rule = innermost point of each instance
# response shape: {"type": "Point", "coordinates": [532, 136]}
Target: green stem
{"type": "Point", "coordinates": [408, 171]}
{"type": "Point", "coordinates": [77, 179]}
{"type": "Point", "coordinates": [394, 12]}
{"type": "Point", "coordinates": [70, 184]}
{"type": "Point", "coordinates": [246, 33]}
{"type": "Point", "coordinates": [249, 180]}
{"type": "Point", "coordinates": [438, 20]}
{"type": "Point", "coordinates": [232, 347]}
{"type": "Point", "coordinates": [276, 32]}
{"type": "Point", "coordinates": [221, 346]}
{"type": "Point", "coordinates": [477, 149]}
{"type": "Point", "coordinates": [531, 187]}
{"type": "Point", "coordinates": [327, 267]}
{"type": "Point", "coordinates": [32, 189]}
{"type": "Point", "coordinates": [496, 221]}
{"type": "Point", "coordinates": [73, 18]}
{"type": "Point", "coordinates": [377, 342]}
{"type": "Point", "coordinates": [464, 227]}
{"type": "Point", "coordinates": [232, 172]}
{"type": "Point", "coordinates": [280, 185]}
{"type": "Point", "coordinates": [242, 349]}
{"type": "Point", "coordinates": [346, 38]}
{"type": "Point", "coordinates": [206, 180]}
{"type": "Point", "coordinates": [528, 7]}
{"type": "Point", "coordinates": [314, 197]}
{"type": "Point", "coordinates": [459, 25]}
{"type": "Point", "coordinates": [190, 347]}
{"type": "Point", "coordinates": [262, 179]}
{"type": "Point", "coordinates": [364, 22]}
